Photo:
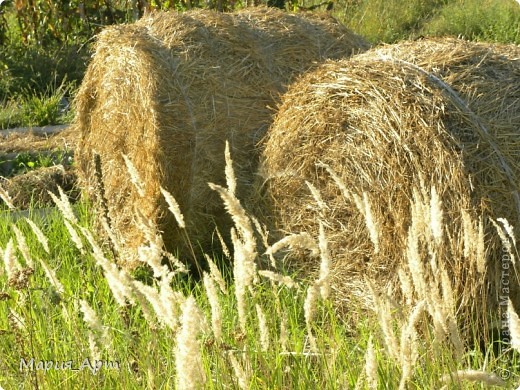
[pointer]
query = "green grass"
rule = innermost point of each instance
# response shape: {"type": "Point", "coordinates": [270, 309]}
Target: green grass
{"type": "Point", "coordinates": [393, 20]}
{"type": "Point", "coordinates": [54, 330]}
{"type": "Point", "coordinates": [53, 325]}
{"type": "Point", "coordinates": [31, 108]}
{"type": "Point", "coordinates": [489, 20]}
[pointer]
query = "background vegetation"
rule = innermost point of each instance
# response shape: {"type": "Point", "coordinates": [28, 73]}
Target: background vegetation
{"type": "Point", "coordinates": [53, 274]}
{"type": "Point", "coordinates": [44, 45]}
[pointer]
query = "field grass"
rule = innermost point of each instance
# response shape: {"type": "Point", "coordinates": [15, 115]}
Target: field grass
{"type": "Point", "coordinates": [64, 302]}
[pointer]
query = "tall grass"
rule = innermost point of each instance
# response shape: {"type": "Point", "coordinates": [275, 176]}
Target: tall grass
{"type": "Point", "coordinates": [64, 299]}
{"type": "Point", "coordinates": [393, 20]}
{"type": "Point", "coordinates": [488, 20]}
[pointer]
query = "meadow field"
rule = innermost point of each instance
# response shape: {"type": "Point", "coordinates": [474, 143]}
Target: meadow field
{"type": "Point", "coordinates": [73, 316]}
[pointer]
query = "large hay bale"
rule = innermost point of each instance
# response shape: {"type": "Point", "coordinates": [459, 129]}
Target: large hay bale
{"type": "Point", "coordinates": [401, 117]}
{"type": "Point", "coordinates": [169, 90]}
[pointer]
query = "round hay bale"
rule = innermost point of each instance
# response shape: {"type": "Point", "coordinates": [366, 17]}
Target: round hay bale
{"type": "Point", "coordinates": [169, 90]}
{"type": "Point", "coordinates": [392, 123]}
{"type": "Point", "coordinates": [31, 189]}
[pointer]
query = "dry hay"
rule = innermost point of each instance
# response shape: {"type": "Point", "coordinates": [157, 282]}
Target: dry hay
{"type": "Point", "coordinates": [168, 91]}
{"type": "Point", "coordinates": [31, 142]}
{"type": "Point", "coordinates": [410, 115]}
{"type": "Point", "coordinates": [31, 189]}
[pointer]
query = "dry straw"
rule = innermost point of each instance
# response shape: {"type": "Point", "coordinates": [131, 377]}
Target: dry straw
{"type": "Point", "coordinates": [168, 91]}
{"type": "Point", "coordinates": [434, 122]}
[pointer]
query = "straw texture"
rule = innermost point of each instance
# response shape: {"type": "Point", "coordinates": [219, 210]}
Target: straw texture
{"type": "Point", "coordinates": [373, 133]}
{"type": "Point", "coordinates": [169, 90]}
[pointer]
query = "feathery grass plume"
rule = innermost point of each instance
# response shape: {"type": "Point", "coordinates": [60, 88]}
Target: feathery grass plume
{"type": "Point", "coordinates": [470, 234]}
{"type": "Point", "coordinates": [436, 216]}
{"type": "Point", "coordinates": [76, 239]}
{"type": "Point", "coordinates": [119, 281]}
{"type": "Point", "coordinates": [486, 378]}
{"type": "Point", "coordinates": [363, 206]}
{"type": "Point", "coordinates": [508, 228]}
{"type": "Point", "coordinates": [171, 300]}
{"type": "Point", "coordinates": [42, 238]}
{"type": "Point", "coordinates": [309, 309]}
{"type": "Point", "coordinates": [165, 302]}
{"type": "Point", "coordinates": [16, 320]}
{"type": "Point", "coordinates": [243, 375]}
{"type": "Point", "coordinates": [216, 275]}
{"type": "Point", "coordinates": [513, 323]}
{"type": "Point", "coordinates": [12, 266]}
{"type": "Point", "coordinates": [286, 281]}
{"type": "Point", "coordinates": [110, 233]}
{"type": "Point", "coordinates": [510, 233]}
{"type": "Point", "coordinates": [244, 242]}
{"type": "Point", "coordinates": [174, 261]}
{"type": "Point", "coordinates": [384, 313]}
{"type": "Point", "coordinates": [414, 260]}
{"type": "Point", "coordinates": [174, 208]}
{"type": "Point", "coordinates": [409, 348]}
{"type": "Point", "coordinates": [406, 285]}
{"type": "Point", "coordinates": [64, 206]}
{"type": "Point", "coordinates": [151, 254]}
{"type": "Point", "coordinates": [505, 232]}
{"type": "Point", "coordinates": [188, 359]}
{"type": "Point", "coordinates": [264, 329]}
{"type": "Point", "coordinates": [341, 185]}
{"type": "Point", "coordinates": [223, 244]}
{"type": "Point", "coordinates": [450, 310]}
{"type": "Point", "coordinates": [231, 181]}
{"type": "Point", "coordinates": [216, 312]}
{"type": "Point", "coordinates": [94, 323]}
{"type": "Point", "coordinates": [283, 338]}
{"type": "Point", "coordinates": [53, 279]}
{"type": "Point", "coordinates": [4, 195]}
{"type": "Point", "coordinates": [22, 246]}
{"type": "Point", "coordinates": [317, 196]}
{"type": "Point", "coordinates": [371, 365]}
{"type": "Point", "coordinates": [300, 240]}
{"type": "Point", "coordinates": [324, 277]}
{"type": "Point", "coordinates": [481, 248]}
{"type": "Point", "coordinates": [420, 208]}
{"type": "Point", "coordinates": [95, 353]}
{"type": "Point", "coordinates": [134, 176]}
{"type": "Point", "coordinates": [244, 269]}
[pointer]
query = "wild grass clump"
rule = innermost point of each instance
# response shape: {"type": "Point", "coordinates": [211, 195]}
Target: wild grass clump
{"type": "Point", "coordinates": [388, 21]}
{"type": "Point", "coordinates": [32, 108]}
{"type": "Point", "coordinates": [490, 20]}
{"type": "Point", "coordinates": [394, 20]}
{"type": "Point", "coordinates": [66, 303]}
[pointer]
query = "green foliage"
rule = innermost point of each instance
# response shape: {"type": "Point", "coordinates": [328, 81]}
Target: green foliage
{"type": "Point", "coordinates": [393, 20]}
{"type": "Point", "coordinates": [25, 162]}
{"type": "Point", "coordinates": [37, 70]}
{"type": "Point", "coordinates": [32, 108]}
{"type": "Point", "coordinates": [490, 20]}
{"type": "Point", "coordinates": [387, 20]}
